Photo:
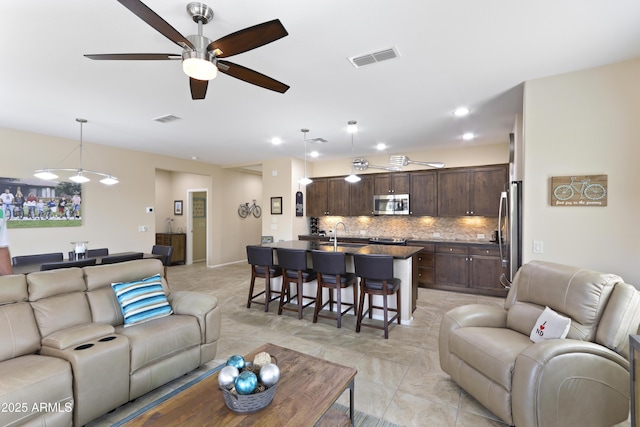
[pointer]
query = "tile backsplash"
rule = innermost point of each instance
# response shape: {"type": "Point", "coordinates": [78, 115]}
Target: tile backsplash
{"type": "Point", "coordinates": [410, 227]}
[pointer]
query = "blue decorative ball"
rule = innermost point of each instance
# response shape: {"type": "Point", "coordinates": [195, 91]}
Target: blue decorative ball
{"type": "Point", "coordinates": [246, 382]}
{"type": "Point", "coordinates": [269, 374]}
{"type": "Point", "coordinates": [236, 361]}
{"type": "Point", "coordinates": [227, 376]}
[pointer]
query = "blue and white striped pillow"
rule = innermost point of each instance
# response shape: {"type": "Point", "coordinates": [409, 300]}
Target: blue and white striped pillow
{"type": "Point", "coordinates": [142, 300]}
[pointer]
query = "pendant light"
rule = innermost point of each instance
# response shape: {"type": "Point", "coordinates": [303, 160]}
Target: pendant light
{"type": "Point", "coordinates": [79, 177]}
{"type": "Point", "coordinates": [305, 180]}
{"type": "Point", "coordinates": [352, 128]}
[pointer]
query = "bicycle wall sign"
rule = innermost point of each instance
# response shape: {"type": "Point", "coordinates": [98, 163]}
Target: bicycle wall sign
{"type": "Point", "coordinates": [586, 190]}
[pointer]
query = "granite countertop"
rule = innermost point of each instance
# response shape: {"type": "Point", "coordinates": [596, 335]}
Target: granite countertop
{"type": "Point", "coordinates": [397, 252]}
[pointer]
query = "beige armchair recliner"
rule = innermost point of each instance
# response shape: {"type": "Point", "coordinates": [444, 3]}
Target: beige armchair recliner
{"type": "Point", "coordinates": [582, 380]}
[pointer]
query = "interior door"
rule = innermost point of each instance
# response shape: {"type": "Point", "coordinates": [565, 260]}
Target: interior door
{"type": "Point", "coordinates": [199, 226]}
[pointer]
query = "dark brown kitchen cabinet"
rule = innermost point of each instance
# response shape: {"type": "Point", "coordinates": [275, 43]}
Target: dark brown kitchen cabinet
{"type": "Point", "coordinates": [328, 196]}
{"type": "Point", "coordinates": [338, 197]}
{"type": "Point", "coordinates": [471, 191]}
{"type": "Point", "coordinates": [425, 265]}
{"type": "Point", "coordinates": [362, 196]}
{"type": "Point", "coordinates": [179, 243]}
{"type": "Point", "coordinates": [317, 197]}
{"type": "Point", "coordinates": [423, 199]}
{"type": "Point", "coordinates": [392, 183]}
{"type": "Point", "coordinates": [468, 268]}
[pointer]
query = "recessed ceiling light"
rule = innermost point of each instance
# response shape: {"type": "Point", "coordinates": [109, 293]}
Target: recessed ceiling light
{"type": "Point", "coordinates": [468, 136]}
{"type": "Point", "coordinates": [381, 146]}
{"type": "Point", "coordinates": [314, 154]}
{"type": "Point", "coordinates": [276, 141]}
{"type": "Point", "coordinates": [461, 112]}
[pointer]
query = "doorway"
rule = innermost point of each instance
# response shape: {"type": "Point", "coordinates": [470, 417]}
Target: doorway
{"type": "Point", "coordinates": [197, 225]}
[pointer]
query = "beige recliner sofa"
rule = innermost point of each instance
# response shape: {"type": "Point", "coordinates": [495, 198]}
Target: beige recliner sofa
{"type": "Point", "coordinates": [78, 323]}
{"type": "Point", "coordinates": [582, 380]}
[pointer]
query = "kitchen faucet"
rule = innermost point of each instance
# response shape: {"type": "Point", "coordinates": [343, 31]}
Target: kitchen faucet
{"type": "Point", "coordinates": [335, 235]}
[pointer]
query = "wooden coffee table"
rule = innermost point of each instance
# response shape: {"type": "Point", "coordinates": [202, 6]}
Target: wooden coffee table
{"type": "Point", "coordinates": [307, 388]}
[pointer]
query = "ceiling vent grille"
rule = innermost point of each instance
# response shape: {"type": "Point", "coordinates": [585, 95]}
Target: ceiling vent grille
{"type": "Point", "coordinates": [167, 119]}
{"type": "Point", "coordinates": [372, 58]}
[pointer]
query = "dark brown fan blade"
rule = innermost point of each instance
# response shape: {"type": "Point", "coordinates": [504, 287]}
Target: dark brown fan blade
{"type": "Point", "coordinates": [249, 38]}
{"type": "Point", "coordinates": [135, 56]}
{"type": "Point", "coordinates": [143, 12]}
{"type": "Point", "coordinates": [250, 76]}
{"type": "Point", "coordinates": [198, 88]}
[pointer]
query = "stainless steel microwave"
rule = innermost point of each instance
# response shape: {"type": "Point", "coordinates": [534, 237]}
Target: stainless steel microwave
{"type": "Point", "coordinates": [391, 204]}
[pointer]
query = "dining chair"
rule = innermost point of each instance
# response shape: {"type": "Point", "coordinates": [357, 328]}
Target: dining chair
{"type": "Point", "coordinates": [112, 259]}
{"type": "Point", "coordinates": [92, 253]}
{"type": "Point", "coordinates": [376, 278]}
{"type": "Point", "coordinates": [331, 268]}
{"type": "Point", "coordinates": [294, 271]}
{"type": "Point", "coordinates": [68, 264]}
{"type": "Point", "coordinates": [37, 259]}
{"type": "Point", "coordinates": [166, 252]}
{"type": "Point", "coordinates": [261, 260]}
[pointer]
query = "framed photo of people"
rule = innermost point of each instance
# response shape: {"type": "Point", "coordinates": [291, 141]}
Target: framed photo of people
{"type": "Point", "coordinates": [35, 203]}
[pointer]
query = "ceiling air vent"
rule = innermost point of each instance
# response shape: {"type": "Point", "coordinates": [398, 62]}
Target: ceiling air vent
{"type": "Point", "coordinates": [372, 58]}
{"type": "Point", "coordinates": [167, 119]}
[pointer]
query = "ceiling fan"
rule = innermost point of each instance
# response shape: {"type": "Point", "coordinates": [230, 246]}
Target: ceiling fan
{"type": "Point", "coordinates": [201, 56]}
{"type": "Point", "coordinates": [363, 164]}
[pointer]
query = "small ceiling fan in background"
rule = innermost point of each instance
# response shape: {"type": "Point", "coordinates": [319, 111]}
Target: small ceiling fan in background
{"type": "Point", "coordinates": [201, 56]}
{"type": "Point", "coordinates": [363, 164]}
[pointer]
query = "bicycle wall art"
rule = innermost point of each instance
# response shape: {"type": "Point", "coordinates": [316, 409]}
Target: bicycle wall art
{"type": "Point", "coordinates": [40, 204]}
{"type": "Point", "coordinates": [586, 190]}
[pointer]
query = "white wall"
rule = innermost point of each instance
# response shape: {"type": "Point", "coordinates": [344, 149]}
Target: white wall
{"type": "Point", "coordinates": [585, 123]}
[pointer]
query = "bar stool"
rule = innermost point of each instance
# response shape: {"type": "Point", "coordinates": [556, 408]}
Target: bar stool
{"type": "Point", "coordinates": [332, 274]}
{"type": "Point", "coordinates": [261, 260]}
{"type": "Point", "coordinates": [294, 270]}
{"type": "Point", "coordinates": [376, 278]}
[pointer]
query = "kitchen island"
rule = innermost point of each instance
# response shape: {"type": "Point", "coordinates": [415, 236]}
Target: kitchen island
{"type": "Point", "coordinates": [403, 268]}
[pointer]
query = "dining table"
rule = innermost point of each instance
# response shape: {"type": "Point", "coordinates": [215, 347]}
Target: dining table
{"type": "Point", "coordinates": [30, 268]}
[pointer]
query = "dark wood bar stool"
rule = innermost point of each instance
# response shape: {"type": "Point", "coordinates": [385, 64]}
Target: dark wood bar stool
{"type": "Point", "coordinates": [331, 268]}
{"type": "Point", "coordinates": [261, 260]}
{"type": "Point", "coordinates": [294, 270]}
{"type": "Point", "coordinates": [376, 278]}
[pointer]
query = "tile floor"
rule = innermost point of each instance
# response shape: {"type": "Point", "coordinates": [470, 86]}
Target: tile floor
{"type": "Point", "coordinates": [398, 379]}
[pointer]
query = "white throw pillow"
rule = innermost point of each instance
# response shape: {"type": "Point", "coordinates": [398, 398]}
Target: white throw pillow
{"type": "Point", "coordinates": [550, 325]}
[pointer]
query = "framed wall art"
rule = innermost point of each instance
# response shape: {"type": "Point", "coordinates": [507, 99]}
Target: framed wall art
{"type": "Point", "coordinates": [585, 190]}
{"type": "Point", "coordinates": [276, 206]}
{"type": "Point", "coordinates": [177, 207]}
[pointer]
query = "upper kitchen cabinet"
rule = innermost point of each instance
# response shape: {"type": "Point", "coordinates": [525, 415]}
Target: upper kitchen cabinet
{"type": "Point", "coordinates": [471, 191]}
{"type": "Point", "coordinates": [362, 196]}
{"type": "Point", "coordinates": [392, 183]}
{"type": "Point", "coordinates": [328, 196]}
{"type": "Point", "coordinates": [423, 200]}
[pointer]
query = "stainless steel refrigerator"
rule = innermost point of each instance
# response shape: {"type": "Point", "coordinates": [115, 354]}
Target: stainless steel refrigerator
{"type": "Point", "coordinates": [510, 232]}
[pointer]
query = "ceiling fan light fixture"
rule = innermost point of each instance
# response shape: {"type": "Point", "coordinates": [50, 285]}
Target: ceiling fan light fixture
{"type": "Point", "coordinates": [199, 65]}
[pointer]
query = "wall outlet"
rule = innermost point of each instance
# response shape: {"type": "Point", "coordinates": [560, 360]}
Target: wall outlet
{"type": "Point", "coordinates": [538, 246]}
{"type": "Point", "coordinates": [436, 234]}
{"type": "Point", "coordinates": [480, 236]}
{"type": "Point", "coordinates": [149, 209]}
{"type": "Point", "coordinates": [143, 228]}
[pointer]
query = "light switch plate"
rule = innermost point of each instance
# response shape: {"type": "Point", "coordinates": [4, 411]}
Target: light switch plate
{"type": "Point", "coordinates": [538, 246]}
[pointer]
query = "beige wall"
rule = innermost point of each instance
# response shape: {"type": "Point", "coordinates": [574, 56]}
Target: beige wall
{"type": "Point", "coordinates": [585, 123]}
{"type": "Point", "coordinates": [112, 215]}
{"type": "Point", "coordinates": [452, 157]}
